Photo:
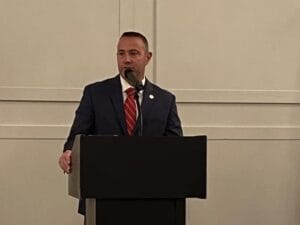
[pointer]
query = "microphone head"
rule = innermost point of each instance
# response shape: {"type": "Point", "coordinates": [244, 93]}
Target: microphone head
{"type": "Point", "coordinates": [132, 79]}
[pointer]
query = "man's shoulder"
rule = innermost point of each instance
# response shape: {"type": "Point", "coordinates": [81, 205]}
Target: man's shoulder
{"type": "Point", "coordinates": [159, 90]}
{"type": "Point", "coordinates": [103, 88]}
{"type": "Point", "coordinates": [106, 83]}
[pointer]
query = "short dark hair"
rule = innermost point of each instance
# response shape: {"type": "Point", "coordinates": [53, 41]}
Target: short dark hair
{"type": "Point", "coordinates": [138, 35]}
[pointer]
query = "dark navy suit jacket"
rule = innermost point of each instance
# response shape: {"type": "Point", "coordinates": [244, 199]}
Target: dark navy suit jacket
{"type": "Point", "coordinates": [101, 112]}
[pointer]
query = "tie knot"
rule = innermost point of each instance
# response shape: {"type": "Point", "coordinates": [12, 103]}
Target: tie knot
{"type": "Point", "coordinates": [130, 91]}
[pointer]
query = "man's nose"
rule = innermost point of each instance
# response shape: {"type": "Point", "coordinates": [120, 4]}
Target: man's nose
{"type": "Point", "coordinates": [127, 58]}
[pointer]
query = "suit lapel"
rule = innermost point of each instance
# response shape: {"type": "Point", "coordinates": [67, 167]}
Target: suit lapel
{"type": "Point", "coordinates": [116, 96]}
{"type": "Point", "coordinates": [148, 99]}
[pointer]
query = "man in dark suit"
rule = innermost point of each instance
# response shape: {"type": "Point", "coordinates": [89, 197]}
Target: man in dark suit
{"type": "Point", "coordinates": [101, 109]}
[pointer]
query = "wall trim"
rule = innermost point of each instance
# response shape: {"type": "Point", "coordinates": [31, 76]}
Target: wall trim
{"type": "Point", "coordinates": [245, 132]}
{"type": "Point", "coordinates": [237, 96]}
{"type": "Point", "coordinates": [33, 94]}
{"type": "Point", "coordinates": [60, 132]}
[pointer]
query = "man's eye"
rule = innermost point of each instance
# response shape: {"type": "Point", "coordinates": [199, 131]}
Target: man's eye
{"type": "Point", "coordinates": [121, 53]}
{"type": "Point", "coordinates": [133, 53]}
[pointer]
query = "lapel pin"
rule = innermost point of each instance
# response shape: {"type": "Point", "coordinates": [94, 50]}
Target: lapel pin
{"type": "Point", "coordinates": [151, 96]}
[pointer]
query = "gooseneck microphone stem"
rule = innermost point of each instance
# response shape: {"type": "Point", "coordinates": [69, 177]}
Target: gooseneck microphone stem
{"type": "Point", "coordinates": [140, 116]}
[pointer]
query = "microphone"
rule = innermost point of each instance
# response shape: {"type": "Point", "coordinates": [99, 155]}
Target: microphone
{"type": "Point", "coordinates": [132, 79]}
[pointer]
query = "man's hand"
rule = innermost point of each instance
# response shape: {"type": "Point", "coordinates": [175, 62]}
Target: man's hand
{"type": "Point", "coordinates": [65, 161]}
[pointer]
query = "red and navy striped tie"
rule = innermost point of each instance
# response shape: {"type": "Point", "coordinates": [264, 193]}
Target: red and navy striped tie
{"type": "Point", "coordinates": [130, 110]}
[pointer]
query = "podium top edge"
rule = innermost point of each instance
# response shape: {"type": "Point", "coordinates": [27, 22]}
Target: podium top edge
{"type": "Point", "coordinates": [146, 137]}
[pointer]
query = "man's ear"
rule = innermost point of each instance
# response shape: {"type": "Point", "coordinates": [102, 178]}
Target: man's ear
{"type": "Point", "coordinates": [149, 56]}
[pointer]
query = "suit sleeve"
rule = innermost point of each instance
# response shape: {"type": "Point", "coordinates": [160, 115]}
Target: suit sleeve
{"type": "Point", "coordinates": [173, 127]}
{"type": "Point", "coordinates": [84, 119]}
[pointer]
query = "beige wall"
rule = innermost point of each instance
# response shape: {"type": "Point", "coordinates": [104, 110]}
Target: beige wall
{"type": "Point", "coordinates": [233, 65]}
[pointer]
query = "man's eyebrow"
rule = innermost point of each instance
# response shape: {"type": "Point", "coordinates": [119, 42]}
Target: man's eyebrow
{"type": "Point", "coordinates": [133, 50]}
{"type": "Point", "coordinates": [129, 50]}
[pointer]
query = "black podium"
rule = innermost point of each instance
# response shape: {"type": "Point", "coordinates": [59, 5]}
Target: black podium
{"type": "Point", "coordinates": [137, 180]}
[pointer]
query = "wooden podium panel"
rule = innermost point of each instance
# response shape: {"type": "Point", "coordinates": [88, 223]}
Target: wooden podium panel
{"type": "Point", "coordinates": [137, 180]}
{"type": "Point", "coordinates": [136, 212]}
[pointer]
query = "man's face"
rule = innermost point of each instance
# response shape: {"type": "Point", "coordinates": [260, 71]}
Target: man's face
{"type": "Point", "coordinates": [131, 54]}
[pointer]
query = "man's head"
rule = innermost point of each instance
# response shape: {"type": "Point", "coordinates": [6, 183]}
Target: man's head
{"type": "Point", "coordinates": [133, 53]}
